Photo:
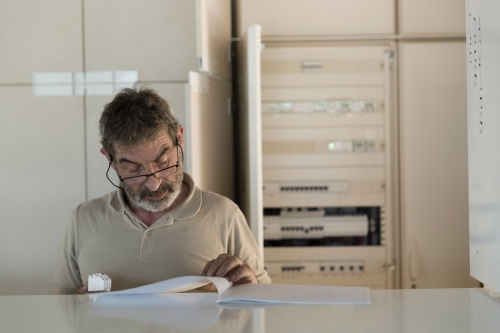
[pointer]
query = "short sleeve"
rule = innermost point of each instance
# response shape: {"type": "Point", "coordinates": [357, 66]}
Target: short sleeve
{"type": "Point", "coordinates": [67, 277]}
{"type": "Point", "coordinates": [243, 244]}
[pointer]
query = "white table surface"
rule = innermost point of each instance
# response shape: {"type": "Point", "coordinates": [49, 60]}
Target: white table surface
{"type": "Point", "coordinates": [422, 311]}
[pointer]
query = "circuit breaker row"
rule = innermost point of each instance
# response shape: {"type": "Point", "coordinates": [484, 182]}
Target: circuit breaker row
{"type": "Point", "coordinates": [316, 267]}
{"type": "Point", "coordinates": [331, 106]}
{"type": "Point", "coordinates": [311, 187]}
{"type": "Point", "coordinates": [278, 227]}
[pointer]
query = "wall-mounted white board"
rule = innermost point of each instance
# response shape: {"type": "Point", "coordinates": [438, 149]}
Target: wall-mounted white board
{"type": "Point", "coordinates": [483, 118]}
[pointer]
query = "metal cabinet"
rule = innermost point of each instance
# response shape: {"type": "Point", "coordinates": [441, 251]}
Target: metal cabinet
{"type": "Point", "coordinates": [318, 158]}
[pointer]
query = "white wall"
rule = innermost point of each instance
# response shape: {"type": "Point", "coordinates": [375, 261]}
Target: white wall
{"type": "Point", "coordinates": [49, 145]}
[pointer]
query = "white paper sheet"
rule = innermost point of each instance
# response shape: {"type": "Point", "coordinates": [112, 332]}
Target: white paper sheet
{"type": "Point", "coordinates": [295, 294]}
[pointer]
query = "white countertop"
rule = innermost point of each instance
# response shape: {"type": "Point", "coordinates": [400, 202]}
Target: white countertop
{"type": "Point", "coordinates": [422, 311]}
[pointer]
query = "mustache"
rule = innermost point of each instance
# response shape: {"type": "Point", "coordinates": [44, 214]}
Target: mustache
{"type": "Point", "coordinates": [146, 192]}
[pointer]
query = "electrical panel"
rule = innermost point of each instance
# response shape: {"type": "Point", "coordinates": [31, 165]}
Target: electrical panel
{"type": "Point", "coordinates": [326, 164]}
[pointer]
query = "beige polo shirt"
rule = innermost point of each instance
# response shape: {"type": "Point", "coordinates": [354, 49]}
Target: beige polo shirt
{"type": "Point", "coordinates": [104, 235]}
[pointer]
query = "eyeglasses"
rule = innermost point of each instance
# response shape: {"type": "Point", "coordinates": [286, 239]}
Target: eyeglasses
{"type": "Point", "coordinates": [141, 179]}
{"type": "Point", "coordinates": [163, 173]}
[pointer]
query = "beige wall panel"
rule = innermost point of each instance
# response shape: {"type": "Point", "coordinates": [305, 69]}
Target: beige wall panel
{"type": "Point", "coordinates": [156, 38]}
{"type": "Point", "coordinates": [434, 194]}
{"type": "Point", "coordinates": [212, 133]}
{"type": "Point", "coordinates": [432, 16]}
{"type": "Point", "coordinates": [317, 17]}
{"type": "Point", "coordinates": [39, 36]}
{"type": "Point", "coordinates": [98, 184]}
{"type": "Point", "coordinates": [214, 36]}
{"type": "Point", "coordinates": [43, 180]}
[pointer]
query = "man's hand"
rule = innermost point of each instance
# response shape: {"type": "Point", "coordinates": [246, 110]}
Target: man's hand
{"type": "Point", "coordinates": [83, 290]}
{"type": "Point", "coordinates": [230, 267]}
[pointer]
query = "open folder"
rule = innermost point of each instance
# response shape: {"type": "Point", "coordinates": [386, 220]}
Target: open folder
{"type": "Point", "coordinates": [256, 293]}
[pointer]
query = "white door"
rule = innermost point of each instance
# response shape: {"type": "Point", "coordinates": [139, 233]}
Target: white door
{"type": "Point", "coordinates": [250, 131]}
{"type": "Point", "coordinates": [483, 101]}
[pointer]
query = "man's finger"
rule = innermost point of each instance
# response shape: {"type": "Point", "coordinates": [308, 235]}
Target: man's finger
{"type": "Point", "coordinates": [231, 263]}
{"type": "Point", "coordinates": [241, 275]}
{"type": "Point", "coordinates": [82, 290]}
{"type": "Point", "coordinates": [214, 267]}
{"type": "Point", "coordinates": [207, 266]}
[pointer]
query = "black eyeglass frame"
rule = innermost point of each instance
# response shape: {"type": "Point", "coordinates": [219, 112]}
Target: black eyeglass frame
{"type": "Point", "coordinates": [147, 176]}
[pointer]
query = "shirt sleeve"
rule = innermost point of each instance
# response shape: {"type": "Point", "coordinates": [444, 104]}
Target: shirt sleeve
{"type": "Point", "coordinates": [67, 277]}
{"type": "Point", "coordinates": [243, 244]}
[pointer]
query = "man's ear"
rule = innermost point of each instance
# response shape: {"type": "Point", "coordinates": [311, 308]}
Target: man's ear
{"type": "Point", "coordinates": [180, 137]}
{"type": "Point", "coordinates": [108, 156]}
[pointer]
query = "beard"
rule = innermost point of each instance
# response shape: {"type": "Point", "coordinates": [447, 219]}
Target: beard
{"type": "Point", "coordinates": [139, 198]}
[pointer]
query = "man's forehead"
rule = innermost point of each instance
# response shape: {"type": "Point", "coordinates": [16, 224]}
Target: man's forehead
{"type": "Point", "coordinates": [149, 146]}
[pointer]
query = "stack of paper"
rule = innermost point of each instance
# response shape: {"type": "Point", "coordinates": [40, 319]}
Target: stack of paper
{"type": "Point", "coordinates": [258, 293]}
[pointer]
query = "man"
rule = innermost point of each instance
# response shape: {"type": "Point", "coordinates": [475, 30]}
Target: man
{"type": "Point", "coordinates": [157, 225]}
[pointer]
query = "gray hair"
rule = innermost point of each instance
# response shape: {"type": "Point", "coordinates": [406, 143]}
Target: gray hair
{"type": "Point", "coordinates": [134, 117]}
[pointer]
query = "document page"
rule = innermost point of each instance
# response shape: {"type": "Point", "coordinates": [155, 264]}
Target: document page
{"type": "Point", "coordinates": [295, 294]}
{"type": "Point", "coordinates": [177, 285]}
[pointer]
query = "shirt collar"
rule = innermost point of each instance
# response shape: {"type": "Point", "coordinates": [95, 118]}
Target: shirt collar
{"type": "Point", "coordinates": [187, 209]}
{"type": "Point", "coordinates": [192, 204]}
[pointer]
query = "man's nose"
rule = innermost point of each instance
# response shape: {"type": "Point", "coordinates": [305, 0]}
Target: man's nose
{"type": "Point", "coordinates": [153, 183]}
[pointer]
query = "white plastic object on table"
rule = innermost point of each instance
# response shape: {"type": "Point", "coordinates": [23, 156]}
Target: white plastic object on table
{"type": "Point", "coordinates": [99, 282]}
